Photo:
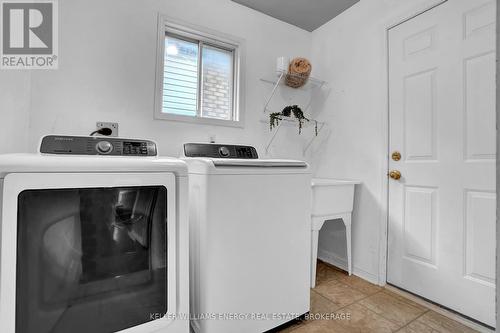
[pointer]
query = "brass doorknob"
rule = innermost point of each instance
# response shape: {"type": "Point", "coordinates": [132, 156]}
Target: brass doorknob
{"type": "Point", "coordinates": [395, 174]}
{"type": "Point", "coordinates": [396, 156]}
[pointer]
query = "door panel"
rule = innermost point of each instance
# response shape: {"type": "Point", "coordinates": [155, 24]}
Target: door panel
{"type": "Point", "coordinates": [478, 18]}
{"type": "Point", "coordinates": [442, 121]}
{"type": "Point", "coordinates": [419, 116]}
{"type": "Point", "coordinates": [420, 224]}
{"type": "Point", "coordinates": [480, 219]}
{"type": "Point", "coordinates": [479, 120]}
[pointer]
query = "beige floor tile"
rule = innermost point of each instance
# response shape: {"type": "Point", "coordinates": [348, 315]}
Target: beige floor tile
{"type": "Point", "coordinates": [321, 326]}
{"type": "Point", "coordinates": [364, 320]}
{"type": "Point", "coordinates": [395, 309]}
{"type": "Point", "coordinates": [396, 295]}
{"type": "Point", "coordinates": [337, 322]}
{"type": "Point", "coordinates": [339, 293]}
{"type": "Point", "coordinates": [443, 324]}
{"type": "Point", "coordinates": [360, 284]}
{"type": "Point", "coordinates": [294, 327]}
{"type": "Point", "coordinates": [325, 273]}
{"type": "Point", "coordinates": [371, 308]}
{"type": "Point", "coordinates": [321, 304]}
{"type": "Point", "coordinates": [417, 327]}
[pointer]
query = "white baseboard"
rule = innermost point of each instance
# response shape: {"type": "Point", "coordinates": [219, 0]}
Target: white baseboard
{"type": "Point", "coordinates": [332, 258]}
{"type": "Point", "coordinates": [340, 262]}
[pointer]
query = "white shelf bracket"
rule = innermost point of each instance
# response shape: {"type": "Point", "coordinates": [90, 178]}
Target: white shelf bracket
{"type": "Point", "coordinates": [270, 142]}
{"type": "Point", "coordinates": [271, 95]}
{"type": "Point", "coordinates": [320, 128]}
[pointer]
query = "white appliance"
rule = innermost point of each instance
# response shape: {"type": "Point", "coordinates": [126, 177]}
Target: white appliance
{"type": "Point", "coordinates": [249, 239]}
{"type": "Point", "coordinates": [93, 243]}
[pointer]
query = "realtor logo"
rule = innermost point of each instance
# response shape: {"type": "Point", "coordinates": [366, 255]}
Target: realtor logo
{"type": "Point", "coordinates": [29, 34]}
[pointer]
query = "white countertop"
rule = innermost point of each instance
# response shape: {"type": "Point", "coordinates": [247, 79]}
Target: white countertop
{"type": "Point", "coordinates": [333, 182]}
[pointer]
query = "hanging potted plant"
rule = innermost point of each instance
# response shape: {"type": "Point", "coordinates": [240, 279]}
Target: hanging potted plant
{"type": "Point", "coordinates": [288, 111]}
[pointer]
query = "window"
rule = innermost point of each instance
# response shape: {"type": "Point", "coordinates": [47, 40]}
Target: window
{"type": "Point", "coordinates": [198, 76]}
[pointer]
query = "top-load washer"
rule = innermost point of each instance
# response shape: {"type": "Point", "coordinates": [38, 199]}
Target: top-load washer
{"type": "Point", "coordinates": [249, 239]}
{"type": "Point", "coordinates": [94, 238]}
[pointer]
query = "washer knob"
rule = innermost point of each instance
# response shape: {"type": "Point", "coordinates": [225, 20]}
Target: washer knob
{"type": "Point", "coordinates": [224, 152]}
{"type": "Point", "coordinates": [104, 147]}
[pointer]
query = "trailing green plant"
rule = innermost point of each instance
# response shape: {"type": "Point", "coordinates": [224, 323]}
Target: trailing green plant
{"type": "Point", "coordinates": [276, 117]}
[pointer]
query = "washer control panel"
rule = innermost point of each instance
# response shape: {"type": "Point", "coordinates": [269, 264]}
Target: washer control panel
{"type": "Point", "coordinates": [96, 145]}
{"type": "Point", "coordinates": [213, 150]}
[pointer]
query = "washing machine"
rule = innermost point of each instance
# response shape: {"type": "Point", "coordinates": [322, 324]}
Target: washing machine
{"type": "Point", "coordinates": [249, 239]}
{"type": "Point", "coordinates": [94, 238]}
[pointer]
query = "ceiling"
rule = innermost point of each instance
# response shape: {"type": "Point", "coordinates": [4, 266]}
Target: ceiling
{"type": "Point", "coordinates": [305, 14]}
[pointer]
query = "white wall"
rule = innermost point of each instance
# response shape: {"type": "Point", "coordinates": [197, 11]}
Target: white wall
{"type": "Point", "coordinates": [107, 69]}
{"type": "Point", "coordinates": [349, 52]}
{"type": "Point", "coordinates": [14, 110]}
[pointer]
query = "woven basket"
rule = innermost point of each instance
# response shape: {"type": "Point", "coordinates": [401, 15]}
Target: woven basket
{"type": "Point", "coordinates": [298, 72]}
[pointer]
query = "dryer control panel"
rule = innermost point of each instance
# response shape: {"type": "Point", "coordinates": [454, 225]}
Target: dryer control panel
{"type": "Point", "coordinates": [213, 150]}
{"type": "Point", "coordinates": [96, 145]}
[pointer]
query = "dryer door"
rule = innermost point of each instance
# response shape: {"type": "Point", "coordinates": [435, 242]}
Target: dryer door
{"type": "Point", "coordinates": [92, 257]}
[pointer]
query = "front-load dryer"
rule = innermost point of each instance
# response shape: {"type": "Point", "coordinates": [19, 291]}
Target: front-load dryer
{"type": "Point", "coordinates": [249, 239]}
{"type": "Point", "coordinates": [94, 238]}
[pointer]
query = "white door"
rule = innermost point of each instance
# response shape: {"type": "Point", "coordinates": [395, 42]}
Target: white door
{"type": "Point", "coordinates": [442, 121]}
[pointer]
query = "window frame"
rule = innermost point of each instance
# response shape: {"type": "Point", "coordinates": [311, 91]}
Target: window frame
{"type": "Point", "coordinates": [203, 36]}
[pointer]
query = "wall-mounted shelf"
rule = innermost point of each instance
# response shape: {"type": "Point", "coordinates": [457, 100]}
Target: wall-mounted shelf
{"type": "Point", "coordinates": [294, 122]}
{"type": "Point", "coordinates": [278, 81]}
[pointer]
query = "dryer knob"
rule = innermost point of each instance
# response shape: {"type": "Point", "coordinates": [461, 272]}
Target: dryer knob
{"type": "Point", "coordinates": [224, 152]}
{"type": "Point", "coordinates": [104, 147]}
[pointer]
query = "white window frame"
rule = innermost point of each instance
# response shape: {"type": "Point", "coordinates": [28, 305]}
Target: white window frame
{"type": "Point", "coordinates": [167, 25]}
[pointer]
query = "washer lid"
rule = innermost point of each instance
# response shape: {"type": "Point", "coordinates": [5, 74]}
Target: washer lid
{"type": "Point", "coordinates": [257, 163]}
{"type": "Point", "coordinates": [225, 166]}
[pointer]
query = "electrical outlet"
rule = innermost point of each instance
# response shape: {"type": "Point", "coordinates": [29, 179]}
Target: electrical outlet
{"type": "Point", "coordinates": [112, 126]}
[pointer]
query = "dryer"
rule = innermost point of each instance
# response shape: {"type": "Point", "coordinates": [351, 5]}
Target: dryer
{"type": "Point", "coordinates": [94, 238]}
{"type": "Point", "coordinates": [249, 239]}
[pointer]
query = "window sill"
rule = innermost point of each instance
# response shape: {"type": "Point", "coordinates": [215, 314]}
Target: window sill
{"type": "Point", "coordinates": [199, 120]}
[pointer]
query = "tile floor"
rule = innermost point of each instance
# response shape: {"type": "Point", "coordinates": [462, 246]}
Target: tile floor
{"type": "Point", "coordinates": [359, 306]}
